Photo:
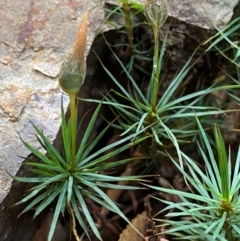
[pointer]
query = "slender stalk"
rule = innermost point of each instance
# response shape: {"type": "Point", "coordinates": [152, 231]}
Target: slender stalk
{"type": "Point", "coordinates": [128, 24]}
{"type": "Point", "coordinates": [73, 128]}
{"type": "Point", "coordinates": [156, 13]}
{"type": "Point", "coordinates": [156, 73]}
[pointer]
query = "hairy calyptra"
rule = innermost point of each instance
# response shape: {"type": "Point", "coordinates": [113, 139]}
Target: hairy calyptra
{"type": "Point", "coordinates": [73, 69]}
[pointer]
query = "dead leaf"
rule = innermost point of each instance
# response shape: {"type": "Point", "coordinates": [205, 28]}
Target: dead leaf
{"type": "Point", "coordinates": [129, 234]}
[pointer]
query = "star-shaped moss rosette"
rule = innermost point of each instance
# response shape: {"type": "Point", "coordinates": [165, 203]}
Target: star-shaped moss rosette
{"type": "Point", "coordinates": [210, 210]}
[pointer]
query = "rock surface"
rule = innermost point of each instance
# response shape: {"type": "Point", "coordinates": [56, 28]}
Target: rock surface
{"type": "Point", "coordinates": [204, 13]}
{"type": "Point", "coordinates": [35, 36]}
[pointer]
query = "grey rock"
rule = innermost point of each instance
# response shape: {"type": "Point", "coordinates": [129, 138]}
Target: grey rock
{"type": "Point", "coordinates": [202, 13]}
{"type": "Point", "coordinates": [35, 36]}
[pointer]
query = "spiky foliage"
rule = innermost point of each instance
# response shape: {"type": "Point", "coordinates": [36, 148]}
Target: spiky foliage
{"type": "Point", "coordinates": [59, 180]}
{"type": "Point", "coordinates": [211, 212]}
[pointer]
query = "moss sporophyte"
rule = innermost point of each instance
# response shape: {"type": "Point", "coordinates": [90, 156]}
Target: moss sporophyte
{"type": "Point", "coordinates": [72, 75]}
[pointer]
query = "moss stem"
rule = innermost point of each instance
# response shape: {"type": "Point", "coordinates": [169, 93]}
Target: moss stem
{"type": "Point", "coordinates": [128, 24]}
{"type": "Point", "coordinates": [73, 128]}
{"type": "Point", "coordinates": [156, 72]}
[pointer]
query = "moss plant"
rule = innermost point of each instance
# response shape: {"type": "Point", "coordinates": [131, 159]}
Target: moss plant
{"type": "Point", "coordinates": [169, 117]}
{"type": "Point", "coordinates": [58, 181]}
{"type": "Point", "coordinates": [130, 13]}
{"type": "Point", "coordinates": [128, 24]}
{"type": "Point", "coordinates": [156, 13]}
{"type": "Point", "coordinates": [212, 211]}
{"type": "Point", "coordinates": [226, 42]}
{"type": "Point", "coordinates": [67, 179]}
{"type": "Point", "coordinates": [72, 76]}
